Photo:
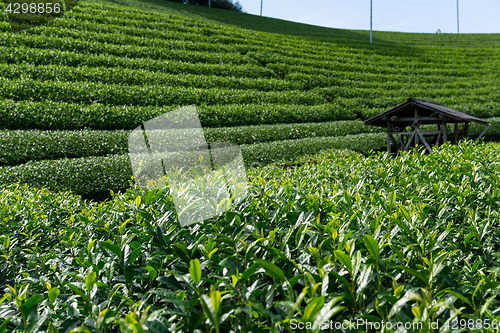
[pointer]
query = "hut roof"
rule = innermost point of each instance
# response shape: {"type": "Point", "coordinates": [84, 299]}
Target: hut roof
{"type": "Point", "coordinates": [426, 109]}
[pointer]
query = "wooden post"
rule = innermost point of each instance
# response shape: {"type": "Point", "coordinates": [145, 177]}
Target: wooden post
{"type": "Point", "coordinates": [445, 131]}
{"type": "Point", "coordinates": [423, 140]}
{"type": "Point", "coordinates": [455, 136]}
{"type": "Point", "coordinates": [402, 141]}
{"type": "Point", "coordinates": [415, 122]}
{"type": "Point", "coordinates": [394, 138]}
{"type": "Point", "coordinates": [388, 136]}
{"type": "Point", "coordinates": [416, 136]}
{"type": "Point", "coordinates": [409, 141]}
{"type": "Point", "coordinates": [466, 129]}
{"type": "Point", "coordinates": [439, 134]}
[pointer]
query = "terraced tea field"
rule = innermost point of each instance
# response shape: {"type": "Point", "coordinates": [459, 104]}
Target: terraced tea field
{"type": "Point", "coordinates": [412, 240]}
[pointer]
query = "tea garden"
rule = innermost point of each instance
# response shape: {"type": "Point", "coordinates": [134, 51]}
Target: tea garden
{"type": "Point", "coordinates": [360, 235]}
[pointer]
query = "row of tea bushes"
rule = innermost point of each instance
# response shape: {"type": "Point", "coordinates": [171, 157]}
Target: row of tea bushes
{"type": "Point", "coordinates": [19, 146]}
{"type": "Point", "coordinates": [94, 177]}
{"type": "Point", "coordinates": [90, 177]}
{"type": "Point", "coordinates": [145, 95]}
{"type": "Point", "coordinates": [18, 54]}
{"type": "Point", "coordinates": [127, 76]}
{"type": "Point", "coordinates": [50, 115]}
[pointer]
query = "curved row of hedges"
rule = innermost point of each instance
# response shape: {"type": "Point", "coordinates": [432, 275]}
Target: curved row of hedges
{"type": "Point", "coordinates": [94, 177]}
{"type": "Point", "coordinates": [17, 147]}
{"type": "Point", "coordinates": [49, 115]}
{"type": "Point", "coordinates": [293, 81]}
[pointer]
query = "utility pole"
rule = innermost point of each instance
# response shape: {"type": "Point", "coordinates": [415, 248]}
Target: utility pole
{"type": "Point", "coordinates": [371, 21]}
{"type": "Point", "coordinates": [261, 2]}
{"type": "Point", "coordinates": [458, 20]}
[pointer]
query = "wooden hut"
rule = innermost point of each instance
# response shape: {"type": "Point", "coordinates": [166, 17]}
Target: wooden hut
{"type": "Point", "coordinates": [404, 120]}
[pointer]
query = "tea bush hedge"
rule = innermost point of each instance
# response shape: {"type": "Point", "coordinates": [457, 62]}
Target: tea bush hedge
{"type": "Point", "coordinates": [22, 54]}
{"type": "Point", "coordinates": [17, 147]}
{"type": "Point", "coordinates": [91, 177]}
{"type": "Point", "coordinates": [92, 46]}
{"type": "Point", "coordinates": [142, 77]}
{"type": "Point", "coordinates": [144, 95]}
{"type": "Point", "coordinates": [288, 150]}
{"type": "Point", "coordinates": [49, 115]}
{"type": "Point", "coordinates": [94, 177]}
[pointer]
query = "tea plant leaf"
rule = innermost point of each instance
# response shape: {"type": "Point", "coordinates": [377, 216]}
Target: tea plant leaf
{"type": "Point", "coordinates": [77, 291]}
{"type": "Point", "coordinates": [90, 246]}
{"type": "Point", "coordinates": [327, 311]}
{"type": "Point", "coordinates": [5, 297]}
{"type": "Point", "coordinates": [363, 279]}
{"type": "Point", "coordinates": [101, 317]}
{"type": "Point", "coordinates": [90, 281]}
{"type": "Point", "coordinates": [151, 273]}
{"type": "Point", "coordinates": [209, 311]}
{"type": "Point", "coordinates": [249, 272]}
{"type": "Point", "coordinates": [344, 259]}
{"type": "Point", "coordinates": [313, 308]}
{"type": "Point", "coordinates": [404, 212]}
{"type": "Point", "coordinates": [439, 264]}
{"type": "Point", "coordinates": [3, 326]}
{"type": "Point", "coordinates": [53, 294]}
{"type": "Point", "coordinates": [195, 270]}
{"type": "Point", "coordinates": [32, 301]}
{"type": "Point", "coordinates": [272, 270]}
{"type": "Point", "coordinates": [134, 255]}
{"type": "Point", "coordinates": [486, 305]}
{"type": "Point", "coordinates": [392, 199]}
{"type": "Point", "coordinates": [401, 224]}
{"type": "Point", "coordinates": [459, 296]}
{"type": "Point", "coordinates": [113, 248]}
{"type": "Point", "coordinates": [372, 246]}
{"type": "Point", "coordinates": [215, 296]}
{"type": "Point", "coordinates": [411, 271]}
{"type": "Point", "coordinates": [123, 225]}
{"type": "Point", "coordinates": [6, 242]}
{"type": "Point", "coordinates": [356, 263]}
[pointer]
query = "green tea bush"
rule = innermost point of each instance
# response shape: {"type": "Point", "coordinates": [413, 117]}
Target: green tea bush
{"type": "Point", "coordinates": [21, 54]}
{"type": "Point", "coordinates": [288, 150]}
{"type": "Point", "coordinates": [145, 95]}
{"type": "Point", "coordinates": [265, 113]}
{"type": "Point", "coordinates": [412, 240]}
{"type": "Point", "coordinates": [49, 115]}
{"type": "Point", "coordinates": [267, 133]}
{"type": "Point", "coordinates": [94, 177]}
{"type": "Point", "coordinates": [17, 147]}
{"type": "Point", "coordinates": [91, 177]}
{"type": "Point", "coordinates": [142, 77]}
{"type": "Point", "coordinates": [92, 46]}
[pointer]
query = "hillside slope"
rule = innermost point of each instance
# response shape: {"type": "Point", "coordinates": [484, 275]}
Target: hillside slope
{"type": "Point", "coordinates": [71, 90]}
{"type": "Point", "coordinates": [267, 24]}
